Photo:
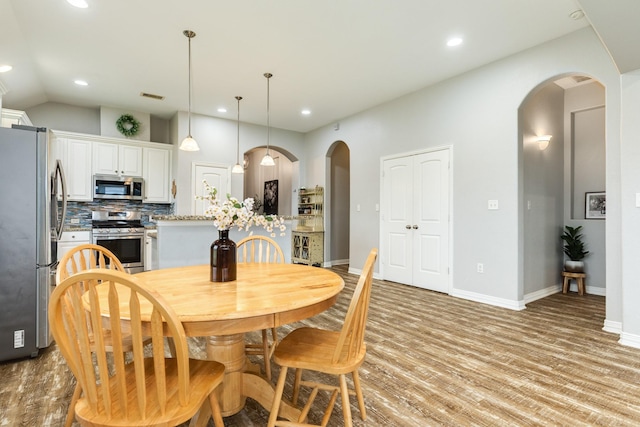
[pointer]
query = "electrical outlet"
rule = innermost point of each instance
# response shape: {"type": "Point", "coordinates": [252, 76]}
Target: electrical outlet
{"type": "Point", "coordinates": [75, 220]}
{"type": "Point", "coordinates": [480, 267]}
{"type": "Point", "coordinates": [18, 338]}
{"type": "Point", "coordinates": [492, 205]}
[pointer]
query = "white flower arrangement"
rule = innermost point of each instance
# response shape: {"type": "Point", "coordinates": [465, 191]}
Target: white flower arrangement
{"type": "Point", "coordinates": [231, 213]}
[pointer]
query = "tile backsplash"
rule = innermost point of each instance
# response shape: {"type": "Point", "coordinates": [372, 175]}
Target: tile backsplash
{"type": "Point", "coordinates": [82, 210]}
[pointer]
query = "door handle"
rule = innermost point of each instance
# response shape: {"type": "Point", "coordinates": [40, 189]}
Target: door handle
{"type": "Point", "coordinates": [415, 227]}
{"type": "Point", "coordinates": [408, 227]}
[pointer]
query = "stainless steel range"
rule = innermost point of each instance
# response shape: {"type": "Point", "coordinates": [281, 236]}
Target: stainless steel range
{"type": "Point", "coordinates": [122, 233]}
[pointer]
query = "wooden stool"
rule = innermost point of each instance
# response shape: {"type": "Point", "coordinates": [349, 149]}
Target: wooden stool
{"type": "Point", "coordinates": [580, 278]}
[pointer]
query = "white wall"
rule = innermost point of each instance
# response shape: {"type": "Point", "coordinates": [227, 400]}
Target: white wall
{"type": "Point", "coordinates": [582, 98]}
{"type": "Point", "coordinates": [72, 118]}
{"type": "Point", "coordinates": [54, 115]}
{"type": "Point", "coordinates": [630, 183]}
{"type": "Point", "coordinates": [543, 176]}
{"type": "Point", "coordinates": [217, 139]}
{"type": "Point", "coordinates": [109, 117]}
{"type": "Point", "coordinates": [476, 113]}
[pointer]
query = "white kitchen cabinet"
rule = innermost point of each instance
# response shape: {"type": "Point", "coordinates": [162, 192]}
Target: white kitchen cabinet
{"type": "Point", "coordinates": [150, 248]}
{"type": "Point", "coordinates": [72, 239]}
{"type": "Point", "coordinates": [76, 162]}
{"type": "Point", "coordinates": [157, 175]}
{"type": "Point", "coordinates": [117, 159]}
{"type": "Point", "coordinates": [84, 155]}
{"type": "Point", "coordinates": [14, 117]}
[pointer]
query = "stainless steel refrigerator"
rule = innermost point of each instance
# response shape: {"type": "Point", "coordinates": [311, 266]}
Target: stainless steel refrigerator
{"type": "Point", "coordinates": [31, 221]}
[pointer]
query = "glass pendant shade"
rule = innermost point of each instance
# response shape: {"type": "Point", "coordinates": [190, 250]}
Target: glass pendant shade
{"type": "Point", "coordinates": [189, 144]}
{"type": "Point", "coordinates": [267, 160]}
{"type": "Point", "coordinates": [237, 168]}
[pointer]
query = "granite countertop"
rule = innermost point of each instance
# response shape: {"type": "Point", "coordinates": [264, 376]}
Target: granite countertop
{"type": "Point", "coordinates": [180, 218]}
{"type": "Point", "coordinates": [198, 218]}
{"type": "Point", "coordinates": [73, 228]}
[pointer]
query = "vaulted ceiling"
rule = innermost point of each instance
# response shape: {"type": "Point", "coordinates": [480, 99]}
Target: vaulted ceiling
{"type": "Point", "coordinates": [333, 57]}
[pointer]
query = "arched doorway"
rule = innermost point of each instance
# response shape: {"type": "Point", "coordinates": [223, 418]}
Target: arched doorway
{"type": "Point", "coordinates": [554, 180]}
{"type": "Point", "coordinates": [338, 198]}
{"type": "Point", "coordinates": [285, 172]}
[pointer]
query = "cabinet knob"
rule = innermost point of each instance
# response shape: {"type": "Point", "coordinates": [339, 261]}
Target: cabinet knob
{"type": "Point", "coordinates": [415, 227]}
{"type": "Point", "coordinates": [408, 227]}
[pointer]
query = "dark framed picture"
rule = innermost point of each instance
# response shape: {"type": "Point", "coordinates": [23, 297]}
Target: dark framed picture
{"type": "Point", "coordinates": [271, 197]}
{"type": "Point", "coordinates": [595, 205]}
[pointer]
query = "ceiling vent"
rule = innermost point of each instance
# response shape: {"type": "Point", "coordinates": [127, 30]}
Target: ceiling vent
{"type": "Point", "coordinates": [152, 96]}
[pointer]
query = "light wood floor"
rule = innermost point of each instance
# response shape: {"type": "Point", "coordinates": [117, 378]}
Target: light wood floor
{"type": "Point", "coordinates": [432, 360]}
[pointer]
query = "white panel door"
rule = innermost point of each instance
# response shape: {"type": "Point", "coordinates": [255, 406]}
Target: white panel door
{"type": "Point", "coordinates": [215, 176]}
{"type": "Point", "coordinates": [431, 221]}
{"type": "Point", "coordinates": [397, 216]}
{"type": "Point", "coordinates": [415, 220]}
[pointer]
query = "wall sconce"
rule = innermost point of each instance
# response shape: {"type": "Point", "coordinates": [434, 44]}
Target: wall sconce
{"type": "Point", "coordinates": [543, 142]}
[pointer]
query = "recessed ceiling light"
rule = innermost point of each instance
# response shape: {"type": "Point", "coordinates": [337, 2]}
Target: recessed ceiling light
{"type": "Point", "coordinates": [81, 83]}
{"type": "Point", "coordinates": [82, 4]}
{"type": "Point", "coordinates": [454, 41]}
{"type": "Point", "coordinates": [305, 112]}
{"type": "Point", "coordinates": [222, 110]}
{"type": "Point", "coordinates": [5, 68]}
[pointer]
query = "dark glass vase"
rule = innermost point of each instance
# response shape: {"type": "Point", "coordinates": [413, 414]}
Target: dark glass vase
{"type": "Point", "coordinates": [223, 258]}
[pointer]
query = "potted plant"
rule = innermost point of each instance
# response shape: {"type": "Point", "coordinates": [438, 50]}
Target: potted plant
{"type": "Point", "coordinates": [574, 248]}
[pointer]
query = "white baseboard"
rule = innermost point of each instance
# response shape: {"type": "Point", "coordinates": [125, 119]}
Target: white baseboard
{"type": "Point", "coordinates": [498, 302]}
{"type": "Point", "coordinates": [336, 262]}
{"type": "Point", "coordinates": [611, 326]}
{"type": "Point", "coordinates": [630, 340]}
{"type": "Point", "coordinates": [591, 290]}
{"type": "Point", "coordinates": [542, 293]}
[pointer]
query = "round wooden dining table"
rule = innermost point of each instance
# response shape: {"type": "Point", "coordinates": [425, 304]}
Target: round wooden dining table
{"type": "Point", "coordinates": [263, 296]}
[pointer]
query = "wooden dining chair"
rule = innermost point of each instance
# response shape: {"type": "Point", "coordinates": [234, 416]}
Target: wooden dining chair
{"type": "Point", "coordinates": [85, 257]}
{"type": "Point", "coordinates": [148, 391]}
{"type": "Point", "coordinates": [261, 249]}
{"type": "Point", "coordinates": [81, 258]}
{"type": "Point", "coordinates": [331, 352]}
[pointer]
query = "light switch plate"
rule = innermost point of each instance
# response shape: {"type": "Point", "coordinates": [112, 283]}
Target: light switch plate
{"type": "Point", "coordinates": [637, 200]}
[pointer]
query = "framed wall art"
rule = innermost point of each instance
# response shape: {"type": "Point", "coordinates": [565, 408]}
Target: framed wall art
{"type": "Point", "coordinates": [595, 205]}
{"type": "Point", "coordinates": [271, 197]}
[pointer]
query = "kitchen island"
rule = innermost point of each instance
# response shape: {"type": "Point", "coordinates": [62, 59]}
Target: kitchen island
{"type": "Point", "coordinates": [186, 240]}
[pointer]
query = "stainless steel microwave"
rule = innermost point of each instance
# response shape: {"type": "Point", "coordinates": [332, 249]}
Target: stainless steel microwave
{"type": "Point", "coordinates": [118, 187]}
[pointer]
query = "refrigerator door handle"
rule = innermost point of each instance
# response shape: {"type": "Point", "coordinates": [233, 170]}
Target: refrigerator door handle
{"type": "Point", "coordinates": [60, 175]}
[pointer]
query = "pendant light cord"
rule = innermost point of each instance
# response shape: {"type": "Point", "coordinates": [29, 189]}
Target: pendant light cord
{"type": "Point", "coordinates": [268, 76]}
{"type": "Point", "coordinates": [238, 133]}
{"type": "Point", "coordinates": [189, 112]}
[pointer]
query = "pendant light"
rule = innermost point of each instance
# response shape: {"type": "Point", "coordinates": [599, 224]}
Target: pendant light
{"type": "Point", "coordinates": [238, 168]}
{"type": "Point", "coordinates": [189, 144]}
{"type": "Point", "coordinates": [267, 160]}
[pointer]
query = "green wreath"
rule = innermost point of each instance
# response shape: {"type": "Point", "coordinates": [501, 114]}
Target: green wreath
{"type": "Point", "coordinates": [128, 125]}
